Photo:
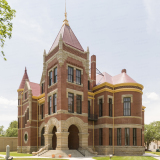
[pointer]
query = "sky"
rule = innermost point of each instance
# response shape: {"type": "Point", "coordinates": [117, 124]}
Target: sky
{"type": "Point", "coordinates": [121, 33]}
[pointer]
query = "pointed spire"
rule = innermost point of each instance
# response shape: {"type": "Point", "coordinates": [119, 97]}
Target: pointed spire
{"type": "Point", "coordinates": [44, 52]}
{"type": "Point", "coordinates": [65, 22]}
{"type": "Point", "coordinates": [25, 77]}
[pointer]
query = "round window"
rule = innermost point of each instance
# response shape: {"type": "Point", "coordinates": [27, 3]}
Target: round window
{"type": "Point", "coordinates": [25, 137]}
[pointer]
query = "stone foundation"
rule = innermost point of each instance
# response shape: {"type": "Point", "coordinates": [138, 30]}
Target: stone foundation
{"type": "Point", "coordinates": [120, 150]}
{"type": "Point", "coordinates": [26, 149]}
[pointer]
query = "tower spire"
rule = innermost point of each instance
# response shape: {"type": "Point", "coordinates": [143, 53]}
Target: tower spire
{"type": "Point", "coordinates": [65, 22]}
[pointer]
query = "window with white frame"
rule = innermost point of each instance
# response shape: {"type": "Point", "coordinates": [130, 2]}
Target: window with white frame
{"type": "Point", "coordinates": [54, 103]}
{"type": "Point", "coordinates": [50, 78]}
{"type": "Point", "coordinates": [55, 75]}
{"type": "Point", "coordinates": [71, 102]}
{"type": "Point", "coordinates": [79, 104]}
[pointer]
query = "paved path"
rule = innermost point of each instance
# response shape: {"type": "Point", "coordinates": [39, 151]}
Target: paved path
{"type": "Point", "coordinates": [152, 155]}
{"type": "Point", "coordinates": [46, 157]}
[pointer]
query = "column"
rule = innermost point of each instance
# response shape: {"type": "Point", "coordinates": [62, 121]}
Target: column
{"type": "Point", "coordinates": [48, 141]}
{"type": "Point", "coordinates": [83, 140]}
{"type": "Point", "coordinates": [62, 140]}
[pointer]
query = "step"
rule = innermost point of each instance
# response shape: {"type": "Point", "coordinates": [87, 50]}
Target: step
{"type": "Point", "coordinates": [63, 153]}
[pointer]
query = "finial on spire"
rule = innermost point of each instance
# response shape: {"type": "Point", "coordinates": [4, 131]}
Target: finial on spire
{"type": "Point", "coordinates": [65, 22]}
{"type": "Point", "coordinates": [25, 69]}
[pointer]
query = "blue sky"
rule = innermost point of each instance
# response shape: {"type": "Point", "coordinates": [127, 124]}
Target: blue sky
{"type": "Point", "coordinates": [121, 33]}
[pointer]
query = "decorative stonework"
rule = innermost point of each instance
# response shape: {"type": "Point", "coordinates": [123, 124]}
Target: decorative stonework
{"type": "Point", "coordinates": [50, 124]}
{"type": "Point", "coordinates": [108, 97]}
{"type": "Point", "coordinates": [100, 97]}
{"type": "Point", "coordinates": [127, 95]}
{"type": "Point", "coordinates": [75, 92]}
{"type": "Point", "coordinates": [40, 129]}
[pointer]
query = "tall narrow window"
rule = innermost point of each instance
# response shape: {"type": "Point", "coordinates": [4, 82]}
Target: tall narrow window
{"type": "Point", "coordinates": [42, 137]}
{"type": "Point", "coordinates": [100, 136]}
{"type": "Point", "coordinates": [127, 136]}
{"type": "Point", "coordinates": [54, 103]}
{"type": "Point", "coordinates": [110, 136]}
{"type": "Point", "coordinates": [70, 74]}
{"type": "Point", "coordinates": [26, 95]}
{"type": "Point", "coordinates": [42, 87]}
{"type": "Point", "coordinates": [28, 114]}
{"type": "Point", "coordinates": [71, 102]}
{"type": "Point", "coordinates": [49, 104]}
{"type": "Point", "coordinates": [19, 102]}
{"type": "Point", "coordinates": [110, 107]}
{"type": "Point", "coordinates": [88, 85]}
{"type": "Point", "coordinates": [79, 104]}
{"type": "Point", "coordinates": [88, 108]}
{"type": "Point", "coordinates": [42, 111]}
{"type": "Point", "coordinates": [134, 137]}
{"type": "Point", "coordinates": [100, 108]}
{"type": "Point", "coordinates": [55, 75]}
{"type": "Point", "coordinates": [118, 136]}
{"type": "Point", "coordinates": [50, 78]}
{"type": "Point", "coordinates": [127, 106]}
{"type": "Point", "coordinates": [78, 77]}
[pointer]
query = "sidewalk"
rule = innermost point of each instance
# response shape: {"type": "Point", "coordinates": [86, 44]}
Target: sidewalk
{"type": "Point", "coordinates": [88, 158]}
{"type": "Point", "coordinates": [152, 155]}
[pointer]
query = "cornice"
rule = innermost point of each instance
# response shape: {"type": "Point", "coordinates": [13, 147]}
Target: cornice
{"type": "Point", "coordinates": [19, 90]}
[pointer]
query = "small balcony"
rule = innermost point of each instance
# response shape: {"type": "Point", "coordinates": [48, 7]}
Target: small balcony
{"type": "Point", "coordinates": [93, 117]}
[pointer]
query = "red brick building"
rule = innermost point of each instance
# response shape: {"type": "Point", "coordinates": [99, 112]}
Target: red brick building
{"type": "Point", "coordinates": [77, 107]}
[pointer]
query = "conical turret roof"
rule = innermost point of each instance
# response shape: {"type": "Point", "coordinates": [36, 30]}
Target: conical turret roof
{"type": "Point", "coordinates": [68, 37]}
{"type": "Point", "coordinates": [25, 76]}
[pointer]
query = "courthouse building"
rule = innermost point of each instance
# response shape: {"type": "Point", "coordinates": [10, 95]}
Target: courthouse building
{"type": "Point", "coordinates": [76, 107]}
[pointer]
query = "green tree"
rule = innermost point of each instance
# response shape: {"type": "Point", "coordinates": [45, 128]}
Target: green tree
{"type": "Point", "coordinates": [12, 130]}
{"type": "Point", "coordinates": [156, 125]}
{"type": "Point", "coordinates": [6, 15]}
{"type": "Point", "coordinates": [2, 132]}
{"type": "Point", "coordinates": [149, 134]}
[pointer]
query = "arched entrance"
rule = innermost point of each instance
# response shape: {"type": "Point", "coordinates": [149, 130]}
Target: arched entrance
{"type": "Point", "coordinates": [42, 137]}
{"type": "Point", "coordinates": [73, 138]}
{"type": "Point", "coordinates": [54, 138]}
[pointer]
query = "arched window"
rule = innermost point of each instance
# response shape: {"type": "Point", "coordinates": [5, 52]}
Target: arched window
{"type": "Point", "coordinates": [42, 137]}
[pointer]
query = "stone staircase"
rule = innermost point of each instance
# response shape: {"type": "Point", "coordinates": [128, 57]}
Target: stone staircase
{"type": "Point", "coordinates": [63, 153]}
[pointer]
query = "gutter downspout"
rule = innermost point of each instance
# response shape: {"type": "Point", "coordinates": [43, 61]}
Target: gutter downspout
{"type": "Point", "coordinates": [93, 124]}
{"type": "Point", "coordinates": [21, 122]}
{"type": "Point", "coordinates": [113, 120]}
{"type": "Point", "coordinates": [37, 124]}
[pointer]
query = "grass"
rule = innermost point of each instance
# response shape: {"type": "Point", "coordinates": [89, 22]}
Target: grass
{"type": "Point", "coordinates": [16, 154]}
{"type": "Point", "coordinates": [157, 153]}
{"type": "Point", "coordinates": [125, 158]}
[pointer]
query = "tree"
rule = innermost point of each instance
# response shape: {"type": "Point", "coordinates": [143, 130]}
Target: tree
{"type": "Point", "coordinates": [149, 134]}
{"type": "Point", "coordinates": [2, 132]}
{"type": "Point", "coordinates": [6, 15]}
{"type": "Point", "coordinates": [156, 125]}
{"type": "Point", "coordinates": [12, 130]}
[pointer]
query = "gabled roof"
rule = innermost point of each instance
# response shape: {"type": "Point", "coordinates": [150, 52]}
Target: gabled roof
{"type": "Point", "coordinates": [25, 76]}
{"type": "Point", "coordinates": [120, 78]}
{"type": "Point", "coordinates": [35, 89]}
{"type": "Point", "coordinates": [68, 37]}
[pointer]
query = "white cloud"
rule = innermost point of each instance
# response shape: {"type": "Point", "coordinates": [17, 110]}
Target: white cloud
{"type": "Point", "coordinates": [152, 96]}
{"type": "Point", "coordinates": [7, 102]}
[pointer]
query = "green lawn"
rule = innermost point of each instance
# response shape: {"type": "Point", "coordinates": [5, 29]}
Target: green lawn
{"type": "Point", "coordinates": [125, 158]}
{"type": "Point", "coordinates": [157, 153]}
{"type": "Point", "coordinates": [16, 154]}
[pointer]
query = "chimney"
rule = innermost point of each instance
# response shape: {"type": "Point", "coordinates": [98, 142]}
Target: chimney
{"type": "Point", "coordinates": [123, 71]}
{"type": "Point", "coordinates": [93, 70]}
